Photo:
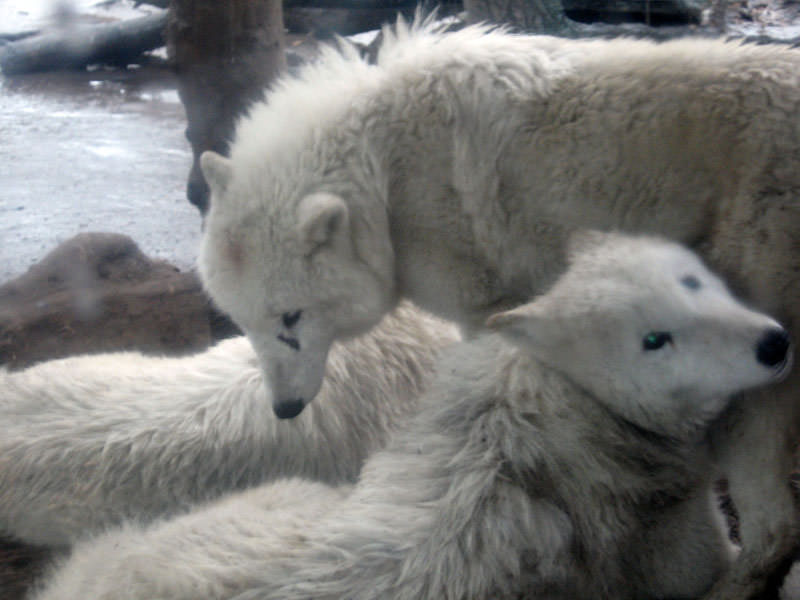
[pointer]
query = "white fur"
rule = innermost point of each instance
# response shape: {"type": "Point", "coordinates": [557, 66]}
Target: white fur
{"type": "Point", "coordinates": [90, 441]}
{"type": "Point", "coordinates": [464, 160]}
{"type": "Point", "coordinates": [523, 475]}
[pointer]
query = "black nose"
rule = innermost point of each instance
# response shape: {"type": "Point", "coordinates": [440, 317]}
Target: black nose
{"type": "Point", "coordinates": [772, 347]}
{"type": "Point", "coordinates": [289, 409]}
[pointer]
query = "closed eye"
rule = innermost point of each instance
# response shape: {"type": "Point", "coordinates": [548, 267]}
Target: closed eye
{"type": "Point", "coordinates": [656, 339]}
{"type": "Point", "coordinates": [290, 319]}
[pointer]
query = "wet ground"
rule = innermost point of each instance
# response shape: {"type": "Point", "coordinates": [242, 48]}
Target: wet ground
{"type": "Point", "coordinates": [101, 151]}
{"type": "Point", "coordinates": [91, 151]}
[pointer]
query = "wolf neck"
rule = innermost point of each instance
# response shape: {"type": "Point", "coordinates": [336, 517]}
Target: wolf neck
{"type": "Point", "coordinates": [523, 424]}
{"type": "Point", "coordinates": [511, 430]}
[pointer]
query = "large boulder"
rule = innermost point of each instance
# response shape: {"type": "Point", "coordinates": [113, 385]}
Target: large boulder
{"type": "Point", "coordinates": [97, 292]}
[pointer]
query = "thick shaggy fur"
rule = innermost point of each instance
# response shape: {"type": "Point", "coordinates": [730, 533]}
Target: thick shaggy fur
{"type": "Point", "coordinates": [453, 170]}
{"type": "Point", "coordinates": [524, 475]}
{"type": "Point", "coordinates": [90, 441]}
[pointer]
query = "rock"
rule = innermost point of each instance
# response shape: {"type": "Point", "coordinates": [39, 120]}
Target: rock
{"type": "Point", "coordinates": [97, 292]}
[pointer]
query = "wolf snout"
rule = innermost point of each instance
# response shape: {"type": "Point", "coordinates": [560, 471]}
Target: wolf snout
{"type": "Point", "coordinates": [773, 348]}
{"type": "Point", "coordinates": [288, 409]}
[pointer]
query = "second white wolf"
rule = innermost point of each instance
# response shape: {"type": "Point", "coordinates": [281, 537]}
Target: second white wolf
{"type": "Point", "coordinates": [571, 465]}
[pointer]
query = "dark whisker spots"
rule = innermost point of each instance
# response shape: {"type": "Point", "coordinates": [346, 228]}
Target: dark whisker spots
{"type": "Point", "coordinates": [293, 343]}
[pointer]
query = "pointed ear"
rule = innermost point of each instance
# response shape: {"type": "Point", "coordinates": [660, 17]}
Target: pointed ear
{"type": "Point", "coordinates": [526, 324]}
{"type": "Point", "coordinates": [322, 219]}
{"type": "Point", "coordinates": [217, 170]}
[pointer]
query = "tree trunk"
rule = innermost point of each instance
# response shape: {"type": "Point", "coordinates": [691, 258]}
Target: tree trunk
{"type": "Point", "coordinates": [225, 54]}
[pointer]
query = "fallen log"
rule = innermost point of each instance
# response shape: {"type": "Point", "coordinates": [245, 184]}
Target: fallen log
{"type": "Point", "coordinates": [78, 46]}
{"type": "Point", "coordinates": [7, 38]}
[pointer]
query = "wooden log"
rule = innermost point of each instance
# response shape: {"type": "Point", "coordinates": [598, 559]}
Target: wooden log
{"type": "Point", "coordinates": [78, 46]}
{"type": "Point", "coordinates": [15, 36]}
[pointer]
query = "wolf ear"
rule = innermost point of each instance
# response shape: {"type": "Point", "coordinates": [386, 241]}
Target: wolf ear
{"type": "Point", "coordinates": [217, 170]}
{"type": "Point", "coordinates": [322, 220]}
{"type": "Point", "coordinates": [527, 325]}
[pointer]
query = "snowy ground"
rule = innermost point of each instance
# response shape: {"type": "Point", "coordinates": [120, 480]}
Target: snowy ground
{"type": "Point", "coordinates": [99, 152]}
{"type": "Point", "coordinates": [91, 151]}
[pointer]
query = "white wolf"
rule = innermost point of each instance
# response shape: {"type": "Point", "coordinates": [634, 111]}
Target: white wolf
{"type": "Point", "coordinates": [90, 441]}
{"type": "Point", "coordinates": [573, 468]}
{"type": "Point", "coordinates": [452, 171]}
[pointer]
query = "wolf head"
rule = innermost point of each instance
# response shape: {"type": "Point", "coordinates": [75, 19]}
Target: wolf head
{"type": "Point", "coordinates": [294, 267]}
{"type": "Point", "coordinates": [647, 329]}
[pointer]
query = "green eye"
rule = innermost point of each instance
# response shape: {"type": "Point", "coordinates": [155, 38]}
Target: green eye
{"type": "Point", "coordinates": [656, 339]}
